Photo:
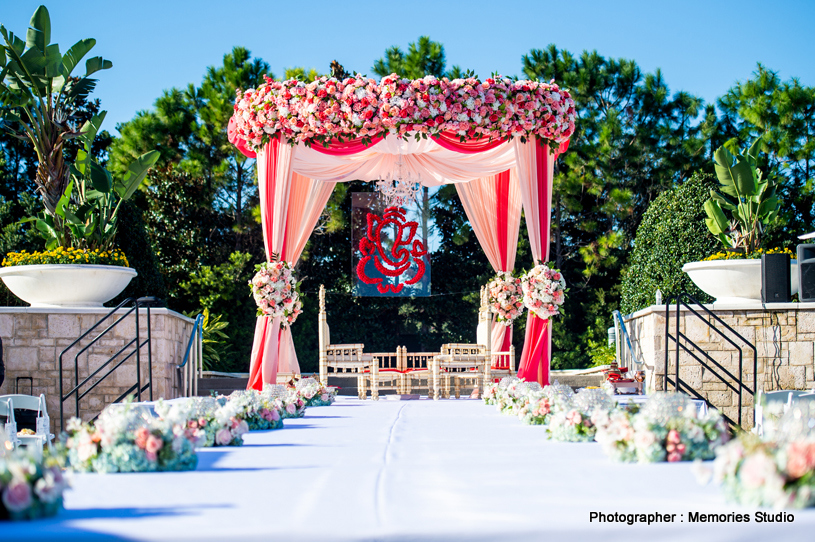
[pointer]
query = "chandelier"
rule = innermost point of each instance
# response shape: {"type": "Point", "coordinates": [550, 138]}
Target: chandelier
{"type": "Point", "coordinates": [402, 189]}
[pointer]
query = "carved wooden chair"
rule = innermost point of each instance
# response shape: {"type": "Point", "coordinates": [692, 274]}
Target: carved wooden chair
{"type": "Point", "coordinates": [465, 362]}
{"type": "Point", "coordinates": [347, 358]}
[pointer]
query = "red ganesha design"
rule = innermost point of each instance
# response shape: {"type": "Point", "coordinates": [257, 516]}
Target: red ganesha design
{"type": "Point", "coordinates": [394, 262]}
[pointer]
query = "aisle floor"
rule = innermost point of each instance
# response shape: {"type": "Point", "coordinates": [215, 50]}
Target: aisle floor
{"type": "Point", "coordinates": [398, 470]}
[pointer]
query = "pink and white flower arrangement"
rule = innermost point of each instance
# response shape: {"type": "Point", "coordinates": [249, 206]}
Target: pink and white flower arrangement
{"type": "Point", "coordinates": [286, 399]}
{"type": "Point", "coordinates": [30, 487]}
{"type": "Point", "coordinates": [314, 393]}
{"type": "Point", "coordinates": [574, 421]}
{"type": "Point", "coordinates": [124, 440]}
{"type": "Point", "coordinates": [505, 297]}
{"type": "Point", "coordinates": [544, 291]}
{"type": "Point", "coordinates": [277, 292]}
{"type": "Point", "coordinates": [668, 428]}
{"type": "Point", "coordinates": [358, 107]}
{"type": "Point", "coordinates": [259, 413]}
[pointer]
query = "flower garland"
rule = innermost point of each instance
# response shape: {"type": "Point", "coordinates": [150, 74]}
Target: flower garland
{"type": "Point", "coordinates": [544, 291]}
{"type": "Point", "coordinates": [287, 400]}
{"type": "Point", "coordinates": [358, 107]}
{"type": "Point", "coordinates": [506, 297]}
{"type": "Point", "coordinates": [30, 488]}
{"type": "Point", "coordinates": [277, 292]}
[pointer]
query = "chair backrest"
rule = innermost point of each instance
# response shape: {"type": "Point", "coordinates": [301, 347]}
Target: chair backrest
{"type": "Point", "coordinates": [779, 396]}
{"type": "Point", "coordinates": [461, 349]}
{"type": "Point", "coordinates": [7, 410]}
{"type": "Point", "coordinates": [28, 402]}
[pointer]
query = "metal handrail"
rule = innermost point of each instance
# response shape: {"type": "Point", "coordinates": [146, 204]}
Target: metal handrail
{"type": "Point", "coordinates": [190, 374]}
{"type": "Point", "coordinates": [143, 302]}
{"type": "Point", "coordinates": [618, 319]}
{"type": "Point", "coordinates": [739, 386]}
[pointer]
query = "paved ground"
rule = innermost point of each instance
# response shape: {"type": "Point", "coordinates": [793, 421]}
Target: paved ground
{"type": "Point", "coordinates": [390, 470]}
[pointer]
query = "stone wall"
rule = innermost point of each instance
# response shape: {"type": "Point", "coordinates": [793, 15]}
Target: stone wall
{"type": "Point", "coordinates": [33, 340]}
{"type": "Point", "coordinates": [782, 333]}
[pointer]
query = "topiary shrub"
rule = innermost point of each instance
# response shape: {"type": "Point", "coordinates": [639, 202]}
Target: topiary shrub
{"type": "Point", "coordinates": [671, 234]}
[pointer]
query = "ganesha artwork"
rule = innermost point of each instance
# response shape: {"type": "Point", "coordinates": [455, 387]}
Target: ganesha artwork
{"type": "Point", "coordinates": [391, 255]}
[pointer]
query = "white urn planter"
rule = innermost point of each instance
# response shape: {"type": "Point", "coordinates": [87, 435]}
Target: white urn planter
{"type": "Point", "coordinates": [66, 285]}
{"type": "Point", "coordinates": [733, 281]}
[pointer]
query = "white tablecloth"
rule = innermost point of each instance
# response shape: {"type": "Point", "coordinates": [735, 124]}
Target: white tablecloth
{"type": "Point", "coordinates": [411, 470]}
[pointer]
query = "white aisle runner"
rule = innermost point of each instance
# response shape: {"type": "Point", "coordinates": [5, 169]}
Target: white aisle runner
{"type": "Point", "coordinates": [413, 470]}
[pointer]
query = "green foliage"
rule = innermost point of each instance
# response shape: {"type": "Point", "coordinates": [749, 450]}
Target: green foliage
{"type": "Point", "coordinates": [41, 96]}
{"type": "Point", "coordinates": [783, 115]}
{"type": "Point", "coordinates": [140, 254]}
{"type": "Point", "coordinates": [424, 57]}
{"type": "Point", "coordinates": [672, 233]}
{"type": "Point", "coordinates": [185, 230]}
{"type": "Point", "coordinates": [224, 290]}
{"type": "Point", "coordinates": [87, 214]}
{"type": "Point", "coordinates": [215, 341]}
{"type": "Point", "coordinates": [751, 199]}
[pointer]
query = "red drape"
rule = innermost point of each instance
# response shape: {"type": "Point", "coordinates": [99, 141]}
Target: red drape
{"type": "Point", "coordinates": [452, 142]}
{"type": "Point", "coordinates": [537, 352]}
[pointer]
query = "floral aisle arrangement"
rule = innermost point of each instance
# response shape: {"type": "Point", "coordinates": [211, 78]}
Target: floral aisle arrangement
{"type": "Point", "coordinates": [573, 422]}
{"type": "Point", "coordinates": [123, 440]}
{"type": "Point", "coordinates": [30, 488]}
{"type": "Point", "coordinates": [778, 473]}
{"type": "Point", "coordinates": [544, 291]}
{"type": "Point", "coordinates": [668, 428]}
{"type": "Point", "coordinates": [287, 400]}
{"type": "Point", "coordinates": [277, 292]}
{"type": "Point", "coordinates": [260, 413]}
{"type": "Point", "coordinates": [506, 297]}
{"type": "Point", "coordinates": [358, 107]}
{"type": "Point", "coordinates": [314, 393]}
{"type": "Point", "coordinates": [207, 421]}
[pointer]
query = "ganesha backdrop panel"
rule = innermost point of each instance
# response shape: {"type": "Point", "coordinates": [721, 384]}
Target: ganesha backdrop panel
{"type": "Point", "coordinates": [390, 246]}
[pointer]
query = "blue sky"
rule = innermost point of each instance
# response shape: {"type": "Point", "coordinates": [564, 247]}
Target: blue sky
{"type": "Point", "coordinates": [702, 47]}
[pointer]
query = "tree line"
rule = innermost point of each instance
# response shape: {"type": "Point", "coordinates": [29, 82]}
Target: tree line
{"type": "Point", "coordinates": [193, 232]}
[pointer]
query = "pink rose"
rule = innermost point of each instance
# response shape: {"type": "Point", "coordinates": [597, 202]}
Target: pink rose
{"type": "Point", "coordinates": [574, 417]}
{"type": "Point", "coordinates": [290, 408]}
{"type": "Point", "coordinates": [142, 434]}
{"type": "Point", "coordinates": [154, 444]}
{"type": "Point", "coordinates": [223, 437]}
{"type": "Point", "coordinates": [17, 496]}
{"type": "Point", "coordinates": [275, 415]}
{"type": "Point", "coordinates": [324, 397]}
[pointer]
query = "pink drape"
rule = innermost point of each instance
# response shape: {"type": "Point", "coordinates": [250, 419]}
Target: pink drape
{"type": "Point", "coordinates": [290, 205]}
{"type": "Point", "coordinates": [493, 207]}
{"type": "Point", "coordinates": [535, 164]}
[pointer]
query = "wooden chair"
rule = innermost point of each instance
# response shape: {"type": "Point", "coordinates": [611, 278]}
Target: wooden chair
{"type": "Point", "coordinates": [503, 364]}
{"type": "Point", "coordinates": [345, 357]}
{"type": "Point", "coordinates": [418, 370]}
{"type": "Point", "coordinates": [463, 362]}
{"type": "Point", "coordinates": [42, 435]}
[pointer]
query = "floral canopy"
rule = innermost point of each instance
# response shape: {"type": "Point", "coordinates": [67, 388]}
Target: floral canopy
{"type": "Point", "coordinates": [496, 140]}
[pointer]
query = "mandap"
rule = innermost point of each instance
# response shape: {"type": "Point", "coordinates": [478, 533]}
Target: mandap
{"type": "Point", "coordinates": [496, 141]}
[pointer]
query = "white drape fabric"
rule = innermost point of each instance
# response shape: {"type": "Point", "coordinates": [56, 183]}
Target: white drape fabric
{"type": "Point", "coordinates": [290, 206]}
{"type": "Point", "coordinates": [424, 158]}
{"type": "Point", "coordinates": [493, 207]}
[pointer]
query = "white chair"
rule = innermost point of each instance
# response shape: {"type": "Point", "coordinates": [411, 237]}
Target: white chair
{"type": "Point", "coordinates": [7, 410]}
{"type": "Point", "coordinates": [769, 400]}
{"type": "Point", "coordinates": [345, 357]}
{"type": "Point", "coordinates": [43, 433]}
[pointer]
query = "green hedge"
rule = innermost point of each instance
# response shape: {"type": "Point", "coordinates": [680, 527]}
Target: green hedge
{"type": "Point", "coordinates": [672, 233]}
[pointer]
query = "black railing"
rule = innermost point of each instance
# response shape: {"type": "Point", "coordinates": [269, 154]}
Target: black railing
{"type": "Point", "coordinates": [130, 306]}
{"type": "Point", "coordinates": [734, 383]}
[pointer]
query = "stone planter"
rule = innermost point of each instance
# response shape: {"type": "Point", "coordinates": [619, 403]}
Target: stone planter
{"type": "Point", "coordinates": [733, 281]}
{"type": "Point", "coordinates": [66, 285]}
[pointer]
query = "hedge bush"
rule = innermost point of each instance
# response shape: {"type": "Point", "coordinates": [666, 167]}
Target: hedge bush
{"type": "Point", "coordinates": [671, 234]}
